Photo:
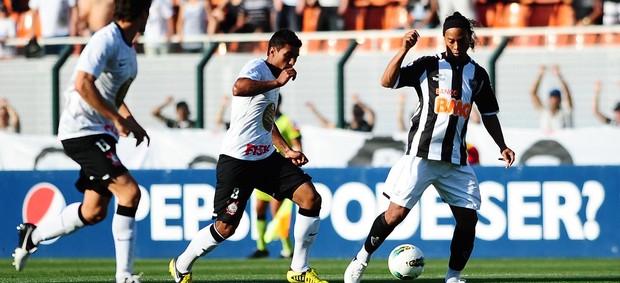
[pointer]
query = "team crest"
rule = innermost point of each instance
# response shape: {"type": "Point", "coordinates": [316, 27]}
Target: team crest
{"type": "Point", "coordinates": [374, 241]}
{"type": "Point", "coordinates": [473, 84]}
{"type": "Point", "coordinates": [232, 208]}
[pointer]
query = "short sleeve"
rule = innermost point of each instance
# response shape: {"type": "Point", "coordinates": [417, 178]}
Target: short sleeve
{"type": "Point", "coordinates": [485, 96]}
{"type": "Point", "coordinates": [95, 55]}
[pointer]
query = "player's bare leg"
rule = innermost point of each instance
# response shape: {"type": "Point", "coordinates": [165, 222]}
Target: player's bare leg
{"type": "Point", "coordinates": [126, 190]}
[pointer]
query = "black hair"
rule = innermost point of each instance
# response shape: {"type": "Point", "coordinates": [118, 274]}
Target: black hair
{"type": "Point", "coordinates": [130, 10]}
{"type": "Point", "coordinates": [457, 20]}
{"type": "Point", "coordinates": [182, 104]}
{"type": "Point", "coordinates": [283, 37]}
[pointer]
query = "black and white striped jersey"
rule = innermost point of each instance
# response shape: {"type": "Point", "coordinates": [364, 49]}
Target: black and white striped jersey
{"type": "Point", "coordinates": [446, 91]}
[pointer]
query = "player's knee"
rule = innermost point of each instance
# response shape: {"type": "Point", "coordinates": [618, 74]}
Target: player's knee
{"type": "Point", "coordinates": [466, 219]}
{"type": "Point", "coordinates": [94, 215]}
{"type": "Point", "coordinates": [225, 230]}
{"type": "Point", "coordinates": [394, 217]}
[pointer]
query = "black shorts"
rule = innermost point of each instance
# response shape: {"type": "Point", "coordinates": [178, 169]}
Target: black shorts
{"type": "Point", "coordinates": [98, 162]}
{"type": "Point", "coordinates": [236, 179]}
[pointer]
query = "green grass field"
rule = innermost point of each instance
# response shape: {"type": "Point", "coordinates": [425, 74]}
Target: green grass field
{"type": "Point", "coordinates": [273, 270]}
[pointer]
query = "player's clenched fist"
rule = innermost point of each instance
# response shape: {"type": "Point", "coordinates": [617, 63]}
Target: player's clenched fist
{"type": "Point", "coordinates": [410, 39]}
{"type": "Point", "coordinates": [286, 75]}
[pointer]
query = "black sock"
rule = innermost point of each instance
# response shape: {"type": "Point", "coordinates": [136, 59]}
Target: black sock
{"type": "Point", "coordinates": [378, 233]}
{"type": "Point", "coordinates": [463, 239]}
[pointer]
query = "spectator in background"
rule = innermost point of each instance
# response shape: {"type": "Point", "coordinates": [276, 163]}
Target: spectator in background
{"type": "Point", "coordinates": [58, 18]}
{"type": "Point", "coordinates": [422, 14]}
{"type": "Point", "coordinates": [7, 31]}
{"type": "Point", "coordinates": [219, 115]}
{"type": "Point", "coordinates": [359, 111]}
{"type": "Point", "coordinates": [159, 28]}
{"type": "Point", "coordinates": [257, 16]}
{"type": "Point", "coordinates": [9, 120]}
{"type": "Point", "coordinates": [225, 16]}
{"type": "Point", "coordinates": [554, 116]}
{"type": "Point", "coordinates": [445, 8]}
{"type": "Point", "coordinates": [595, 107]}
{"type": "Point", "coordinates": [182, 111]}
{"type": "Point", "coordinates": [331, 16]}
{"type": "Point", "coordinates": [588, 12]}
{"type": "Point", "coordinates": [192, 21]}
{"type": "Point", "coordinates": [94, 15]}
{"type": "Point", "coordinates": [611, 12]}
{"type": "Point", "coordinates": [289, 14]}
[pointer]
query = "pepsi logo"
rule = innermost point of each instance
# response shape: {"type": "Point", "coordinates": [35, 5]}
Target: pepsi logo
{"type": "Point", "coordinates": [43, 201]}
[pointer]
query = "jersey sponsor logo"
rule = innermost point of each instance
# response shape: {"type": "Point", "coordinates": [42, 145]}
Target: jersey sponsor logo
{"type": "Point", "coordinates": [451, 92]}
{"type": "Point", "coordinates": [452, 106]}
{"type": "Point", "coordinates": [110, 128]}
{"type": "Point", "coordinates": [257, 149]}
{"type": "Point", "coordinates": [439, 77]}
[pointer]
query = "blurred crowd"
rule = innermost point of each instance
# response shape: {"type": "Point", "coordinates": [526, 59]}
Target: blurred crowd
{"type": "Point", "coordinates": [182, 19]}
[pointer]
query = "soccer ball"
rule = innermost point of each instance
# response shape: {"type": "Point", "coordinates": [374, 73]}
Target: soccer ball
{"type": "Point", "coordinates": [406, 262]}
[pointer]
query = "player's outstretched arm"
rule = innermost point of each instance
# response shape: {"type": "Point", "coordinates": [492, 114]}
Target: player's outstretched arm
{"type": "Point", "coordinates": [491, 123]}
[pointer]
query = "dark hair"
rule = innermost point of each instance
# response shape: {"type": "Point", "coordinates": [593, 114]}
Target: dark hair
{"type": "Point", "coordinates": [283, 37]}
{"type": "Point", "coordinates": [358, 111]}
{"type": "Point", "coordinates": [617, 108]}
{"type": "Point", "coordinates": [182, 104]}
{"type": "Point", "coordinates": [459, 21]}
{"type": "Point", "coordinates": [130, 10]}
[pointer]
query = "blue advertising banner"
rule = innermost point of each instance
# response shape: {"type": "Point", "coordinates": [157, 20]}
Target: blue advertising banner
{"type": "Point", "coordinates": [559, 211]}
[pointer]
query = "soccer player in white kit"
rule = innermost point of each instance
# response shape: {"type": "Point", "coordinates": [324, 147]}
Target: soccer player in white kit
{"type": "Point", "coordinates": [447, 85]}
{"type": "Point", "coordinates": [93, 118]}
{"type": "Point", "coordinates": [249, 160]}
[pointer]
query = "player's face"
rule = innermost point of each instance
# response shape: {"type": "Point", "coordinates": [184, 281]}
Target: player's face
{"type": "Point", "coordinates": [457, 42]}
{"type": "Point", "coordinates": [617, 116]}
{"type": "Point", "coordinates": [284, 58]}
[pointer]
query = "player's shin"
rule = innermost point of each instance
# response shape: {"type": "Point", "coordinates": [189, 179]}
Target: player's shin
{"type": "Point", "coordinates": [206, 240]}
{"type": "Point", "coordinates": [69, 221]}
{"type": "Point", "coordinates": [305, 231]}
{"type": "Point", "coordinates": [379, 231]}
{"type": "Point", "coordinates": [124, 233]}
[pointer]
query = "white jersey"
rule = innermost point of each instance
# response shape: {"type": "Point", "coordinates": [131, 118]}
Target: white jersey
{"type": "Point", "coordinates": [252, 118]}
{"type": "Point", "coordinates": [113, 62]}
{"type": "Point", "coordinates": [54, 16]}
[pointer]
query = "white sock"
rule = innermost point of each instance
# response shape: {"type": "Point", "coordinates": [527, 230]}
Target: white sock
{"type": "Point", "coordinates": [124, 233]}
{"type": "Point", "coordinates": [305, 232]}
{"type": "Point", "coordinates": [453, 275]}
{"type": "Point", "coordinates": [68, 222]}
{"type": "Point", "coordinates": [363, 255]}
{"type": "Point", "coordinates": [202, 243]}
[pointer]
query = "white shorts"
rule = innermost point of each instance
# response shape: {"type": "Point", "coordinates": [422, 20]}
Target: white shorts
{"type": "Point", "coordinates": [410, 176]}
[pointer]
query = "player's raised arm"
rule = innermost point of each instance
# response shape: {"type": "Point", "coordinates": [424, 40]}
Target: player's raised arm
{"type": "Point", "coordinates": [390, 75]}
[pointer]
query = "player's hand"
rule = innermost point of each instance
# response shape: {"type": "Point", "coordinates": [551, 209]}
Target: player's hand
{"type": "Point", "coordinates": [509, 156]}
{"type": "Point", "coordinates": [286, 75]}
{"type": "Point", "coordinates": [410, 39]}
{"type": "Point", "coordinates": [137, 131]}
{"type": "Point", "coordinates": [297, 157]}
{"type": "Point", "coordinates": [122, 127]}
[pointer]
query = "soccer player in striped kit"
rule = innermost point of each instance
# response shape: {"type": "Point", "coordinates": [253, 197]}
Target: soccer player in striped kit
{"type": "Point", "coordinates": [446, 84]}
